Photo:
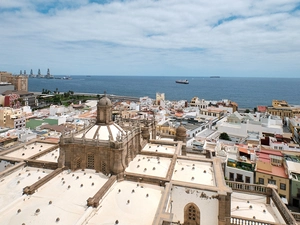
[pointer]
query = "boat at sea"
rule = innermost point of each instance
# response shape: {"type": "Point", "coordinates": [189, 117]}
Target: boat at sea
{"type": "Point", "coordinates": [214, 76]}
{"type": "Point", "coordinates": [182, 81]}
{"type": "Point", "coordinates": [67, 78]}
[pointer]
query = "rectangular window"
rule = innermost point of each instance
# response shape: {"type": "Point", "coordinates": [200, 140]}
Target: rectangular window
{"type": "Point", "coordinates": [239, 177]}
{"type": "Point", "coordinates": [231, 176]}
{"type": "Point", "coordinates": [270, 181]}
{"type": "Point", "coordinates": [261, 180]}
{"type": "Point", "coordinates": [248, 180]}
{"type": "Point", "coordinates": [282, 186]}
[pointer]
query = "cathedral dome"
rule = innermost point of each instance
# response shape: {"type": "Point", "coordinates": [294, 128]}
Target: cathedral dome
{"type": "Point", "coordinates": [181, 131]}
{"type": "Point", "coordinates": [103, 132]}
{"type": "Point", "coordinates": [104, 101]}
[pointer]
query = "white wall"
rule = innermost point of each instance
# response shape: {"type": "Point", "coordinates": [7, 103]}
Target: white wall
{"type": "Point", "coordinates": [239, 171]}
{"type": "Point", "coordinates": [209, 208]}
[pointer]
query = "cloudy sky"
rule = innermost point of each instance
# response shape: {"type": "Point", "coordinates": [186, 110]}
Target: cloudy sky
{"type": "Point", "coordinates": [258, 38]}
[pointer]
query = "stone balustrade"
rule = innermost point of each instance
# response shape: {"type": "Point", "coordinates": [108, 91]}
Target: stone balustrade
{"type": "Point", "coordinates": [296, 216]}
{"type": "Point", "coordinates": [285, 213]}
{"type": "Point", "coordinates": [245, 187]}
{"type": "Point", "coordinates": [245, 221]}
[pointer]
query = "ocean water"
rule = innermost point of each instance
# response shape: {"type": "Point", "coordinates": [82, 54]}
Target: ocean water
{"type": "Point", "coordinates": [247, 92]}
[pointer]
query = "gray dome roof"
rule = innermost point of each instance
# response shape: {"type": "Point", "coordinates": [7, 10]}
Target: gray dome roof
{"type": "Point", "coordinates": [181, 131]}
{"type": "Point", "coordinates": [104, 101]}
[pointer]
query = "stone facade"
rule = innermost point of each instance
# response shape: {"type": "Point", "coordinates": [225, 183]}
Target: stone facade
{"type": "Point", "coordinates": [105, 151]}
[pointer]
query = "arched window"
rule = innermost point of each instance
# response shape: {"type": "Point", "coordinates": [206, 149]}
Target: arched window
{"type": "Point", "coordinates": [78, 163]}
{"type": "Point", "coordinates": [90, 161]}
{"type": "Point", "coordinates": [103, 167]}
{"type": "Point", "coordinates": [191, 214]}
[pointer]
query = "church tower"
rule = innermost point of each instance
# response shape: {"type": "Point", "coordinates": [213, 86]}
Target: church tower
{"type": "Point", "coordinates": [104, 111]}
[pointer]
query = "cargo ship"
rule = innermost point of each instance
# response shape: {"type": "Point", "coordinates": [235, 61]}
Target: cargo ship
{"type": "Point", "coordinates": [182, 81]}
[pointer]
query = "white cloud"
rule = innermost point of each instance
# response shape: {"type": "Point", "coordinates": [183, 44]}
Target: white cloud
{"type": "Point", "coordinates": [146, 37]}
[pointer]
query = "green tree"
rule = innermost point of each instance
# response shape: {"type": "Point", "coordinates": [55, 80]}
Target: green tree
{"type": "Point", "coordinates": [224, 136]}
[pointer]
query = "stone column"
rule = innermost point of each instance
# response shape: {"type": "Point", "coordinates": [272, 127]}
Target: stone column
{"type": "Point", "coordinates": [224, 208]}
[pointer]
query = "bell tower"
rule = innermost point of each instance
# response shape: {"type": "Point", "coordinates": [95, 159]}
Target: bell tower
{"type": "Point", "coordinates": [104, 110]}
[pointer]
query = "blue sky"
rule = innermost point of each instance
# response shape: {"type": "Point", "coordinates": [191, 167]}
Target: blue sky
{"type": "Point", "coordinates": [259, 38]}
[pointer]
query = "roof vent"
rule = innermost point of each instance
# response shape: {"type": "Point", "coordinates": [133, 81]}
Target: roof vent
{"type": "Point", "coordinates": [19, 210]}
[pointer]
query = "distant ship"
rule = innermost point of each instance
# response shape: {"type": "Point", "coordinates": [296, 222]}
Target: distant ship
{"type": "Point", "coordinates": [67, 78]}
{"type": "Point", "coordinates": [182, 81]}
{"type": "Point", "coordinates": [214, 76]}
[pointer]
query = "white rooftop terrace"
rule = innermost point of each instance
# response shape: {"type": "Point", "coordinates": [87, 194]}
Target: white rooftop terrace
{"type": "Point", "coordinates": [62, 199]}
{"type": "Point", "coordinates": [11, 186]}
{"type": "Point", "coordinates": [50, 156]}
{"type": "Point", "coordinates": [30, 150]}
{"type": "Point", "coordinates": [254, 206]}
{"type": "Point", "coordinates": [196, 172]}
{"type": "Point", "coordinates": [167, 149]}
{"type": "Point", "coordinates": [4, 165]}
{"type": "Point", "coordinates": [129, 203]}
{"type": "Point", "coordinates": [149, 165]}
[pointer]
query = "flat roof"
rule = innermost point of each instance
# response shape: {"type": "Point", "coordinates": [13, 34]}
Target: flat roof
{"type": "Point", "coordinates": [149, 165]}
{"type": "Point", "coordinates": [50, 156]}
{"type": "Point", "coordinates": [62, 197]}
{"type": "Point", "coordinates": [196, 172]}
{"type": "Point", "coordinates": [167, 149]}
{"type": "Point", "coordinates": [241, 206]}
{"type": "Point", "coordinates": [11, 186]}
{"type": "Point", "coordinates": [30, 150]}
{"type": "Point", "coordinates": [129, 203]}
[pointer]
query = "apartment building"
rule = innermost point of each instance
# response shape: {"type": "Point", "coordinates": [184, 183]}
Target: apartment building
{"type": "Point", "coordinates": [12, 118]}
{"type": "Point", "coordinates": [270, 170]}
{"type": "Point", "coordinates": [282, 109]}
